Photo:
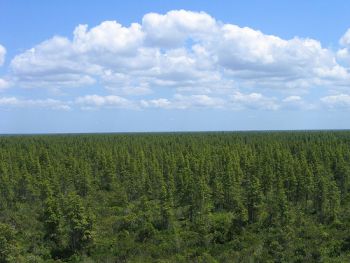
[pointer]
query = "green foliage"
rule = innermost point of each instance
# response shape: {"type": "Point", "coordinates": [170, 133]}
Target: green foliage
{"type": "Point", "coordinates": [176, 197]}
{"type": "Point", "coordinates": [79, 223]}
{"type": "Point", "coordinates": [8, 249]}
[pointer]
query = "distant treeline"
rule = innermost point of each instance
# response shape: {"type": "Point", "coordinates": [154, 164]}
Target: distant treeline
{"type": "Point", "coordinates": [176, 197]}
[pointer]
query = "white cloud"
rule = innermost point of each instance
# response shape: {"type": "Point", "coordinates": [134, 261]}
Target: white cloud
{"type": "Point", "coordinates": [122, 83]}
{"type": "Point", "coordinates": [52, 64]}
{"type": "Point", "coordinates": [184, 102]}
{"type": "Point", "coordinates": [254, 100]}
{"type": "Point", "coordinates": [345, 39]}
{"type": "Point", "coordinates": [14, 102]}
{"type": "Point", "coordinates": [183, 50]}
{"type": "Point", "coordinates": [109, 36]}
{"type": "Point", "coordinates": [269, 61]}
{"type": "Point", "coordinates": [343, 55]}
{"type": "Point", "coordinates": [156, 103]}
{"type": "Point", "coordinates": [292, 99]}
{"type": "Point", "coordinates": [236, 101]}
{"type": "Point", "coordinates": [297, 103]}
{"type": "Point", "coordinates": [2, 55]}
{"type": "Point", "coordinates": [173, 28]}
{"type": "Point", "coordinates": [110, 101]}
{"type": "Point", "coordinates": [337, 101]}
{"type": "Point", "coordinates": [4, 84]}
{"type": "Point", "coordinates": [8, 101]}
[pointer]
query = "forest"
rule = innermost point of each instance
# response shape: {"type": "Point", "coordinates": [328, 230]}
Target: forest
{"type": "Point", "coordinates": [176, 197]}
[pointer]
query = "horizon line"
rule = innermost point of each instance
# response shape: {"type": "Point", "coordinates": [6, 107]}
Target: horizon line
{"type": "Point", "coordinates": [175, 131]}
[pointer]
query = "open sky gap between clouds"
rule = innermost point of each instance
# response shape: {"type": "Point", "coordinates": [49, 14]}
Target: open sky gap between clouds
{"type": "Point", "coordinates": [200, 63]}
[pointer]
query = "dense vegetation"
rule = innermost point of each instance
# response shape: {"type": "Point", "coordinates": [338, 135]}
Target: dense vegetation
{"type": "Point", "coordinates": [195, 197]}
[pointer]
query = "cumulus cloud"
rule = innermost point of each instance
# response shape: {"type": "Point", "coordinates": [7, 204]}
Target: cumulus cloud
{"type": "Point", "coordinates": [157, 103]}
{"type": "Point", "coordinates": [296, 103]}
{"type": "Point", "coordinates": [4, 84]}
{"type": "Point", "coordinates": [345, 39]}
{"type": "Point", "coordinates": [236, 101]}
{"type": "Point", "coordinates": [343, 54]}
{"type": "Point", "coordinates": [110, 101]}
{"type": "Point", "coordinates": [253, 101]}
{"type": "Point", "coordinates": [175, 27]}
{"type": "Point", "coordinates": [178, 101]}
{"type": "Point", "coordinates": [184, 102]}
{"type": "Point", "coordinates": [121, 83]}
{"type": "Point", "coordinates": [269, 61]}
{"type": "Point", "coordinates": [2, 55]}
{"type": "Point", "coordinates": [292, 99]}
{"type": "Point", "coordinates": [181, 50]}
{"type": "Point", "coordinates": [13, 102]}
{"type": "Point", "coordinates": [196, 60]}
{"type": "Point", "coordinates": [340, 101]}
{"type": "Point", "coordinates": [52, 63]}
{"type": "Point", "coordinates": [109, 36]}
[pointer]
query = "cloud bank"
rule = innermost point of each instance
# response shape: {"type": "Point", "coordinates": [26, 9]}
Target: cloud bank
{"type": "Point", "coordinates": [195, 59]}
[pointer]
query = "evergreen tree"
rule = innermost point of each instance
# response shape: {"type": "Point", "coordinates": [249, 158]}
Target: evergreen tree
{"type": "Point", "coordinates": [79, 223]}
{"type": "Point", "coordinates": [8, 247]}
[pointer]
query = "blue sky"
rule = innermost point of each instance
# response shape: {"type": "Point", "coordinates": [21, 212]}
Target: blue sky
{"type": "Point", "coordinates": [116, 66]}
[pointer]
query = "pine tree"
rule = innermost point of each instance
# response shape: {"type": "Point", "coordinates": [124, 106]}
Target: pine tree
{"type": "Point", "coordinates": [253, 198]}
{"type": "Point", "coordinates": [79, 223]}
{"type": "Point", "coordinates": [52, 221]}
{"type": "Point", "coordinates": [8, 247]}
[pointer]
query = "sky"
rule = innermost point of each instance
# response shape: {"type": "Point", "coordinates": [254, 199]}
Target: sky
{"type": "Point", "coordinates": [155, 65]}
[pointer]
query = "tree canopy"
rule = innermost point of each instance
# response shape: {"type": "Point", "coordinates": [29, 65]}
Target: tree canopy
{"type": "Point", "coordinates": [176, 197]}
